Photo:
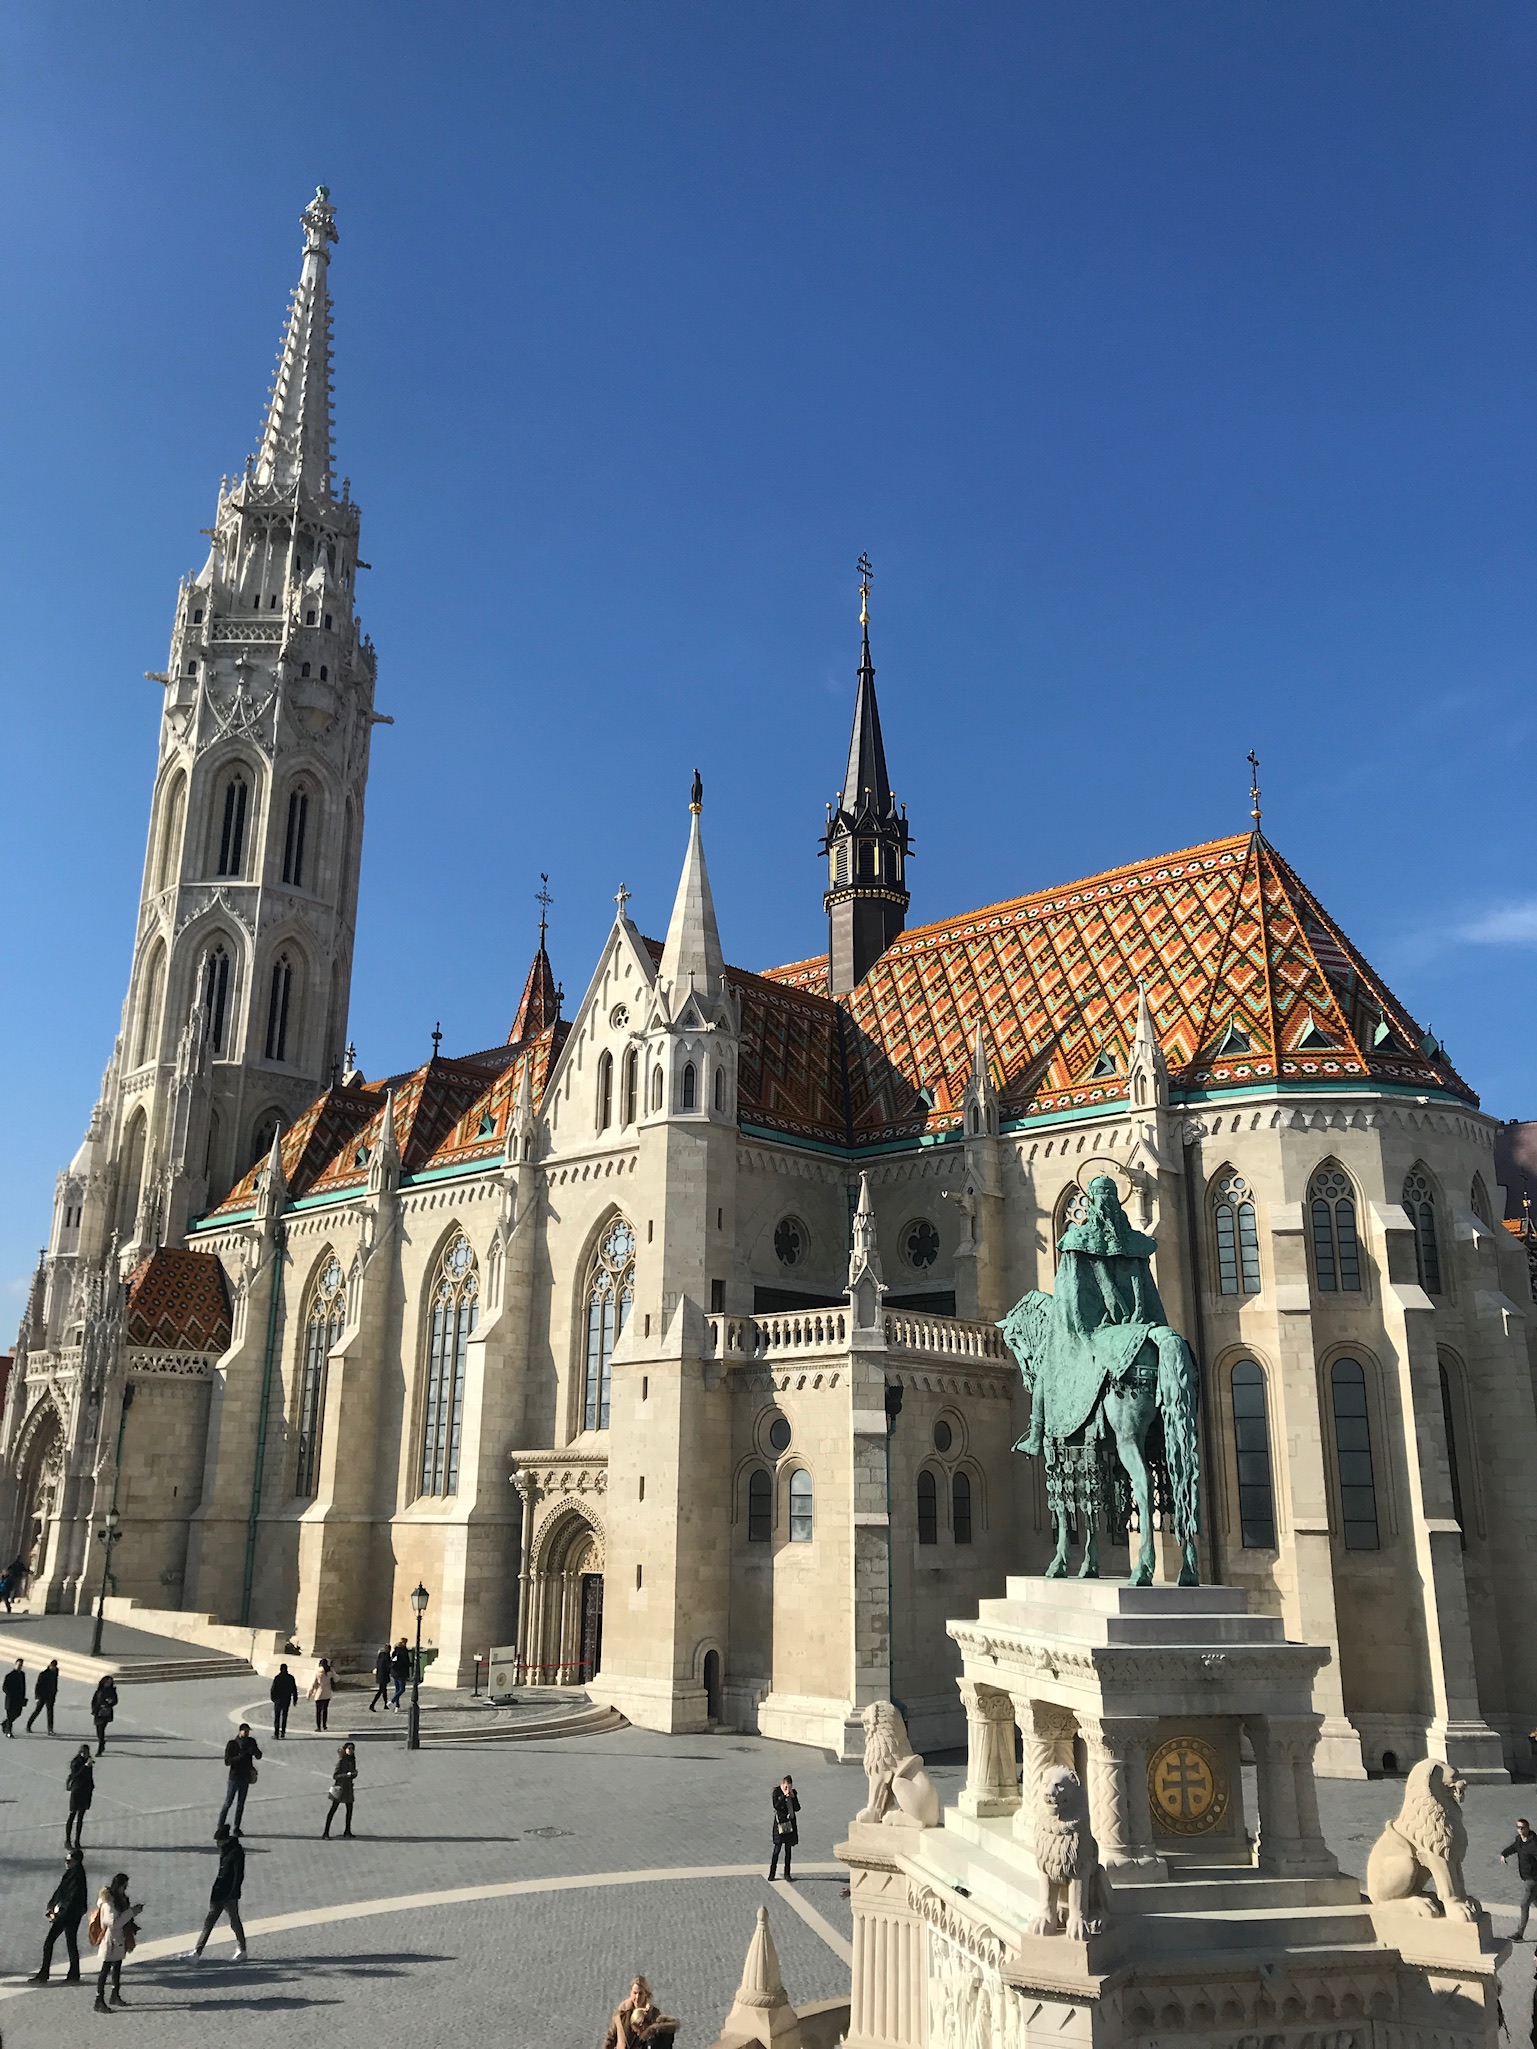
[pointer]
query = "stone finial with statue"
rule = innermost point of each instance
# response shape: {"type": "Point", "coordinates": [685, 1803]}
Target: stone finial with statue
{"type": "Point", "coordinates": [1109, 1382]}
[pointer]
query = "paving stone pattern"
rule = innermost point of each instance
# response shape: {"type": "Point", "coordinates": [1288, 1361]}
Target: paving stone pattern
{"type": "Point", "coordinates": [537, 1971]}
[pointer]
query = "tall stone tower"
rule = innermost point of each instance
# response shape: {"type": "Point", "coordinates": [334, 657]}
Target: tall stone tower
{"type": "Point", "coordinates": [237, 998]}
{"type": "Point", "coordinates": [866, 843]}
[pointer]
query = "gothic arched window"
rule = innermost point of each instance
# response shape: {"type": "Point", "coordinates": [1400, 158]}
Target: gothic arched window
{"type": "Point", "coordinates": [960, 1508]}
{"type": "Point", "coordinates": [293, 838]}
{"type": "Point", "coordinates": [1237, 1236]}
{"type": "Point", "coordinates": [631, 1082]}
{"type": "Point", "coordinates": [323, 1327]}
{"type": "Point", "coordinates": [1332, 1224]}
{"type": "Point", "coordinates": [152, 993]}
{"type": "Point", "coordinates": [760, 1506]}
{"type": "Point", "coordinates": [1453, 1466]}
{"type": "Point", "coordinates": [455, 1311]}
{"type": "Point", "coordinates": [610, 1294]}
{"type": "Point", "coordinates": [1478, 1202]}
{"type": "Point", "coordinates": [1072, 1208]}
{"type": "Point", "coordinates": [279, 1003]}
{"type": "Point", "coordinates": [720, 1088]}
{"type": "Point", "coordinates": [170, 833]}
{"type": "Point", "coordinates": [801, 1506]}
{"type": "Point", "coordinates": [689, 1091]}
{"type": "Point", "coordinates": [1420, 1207]}
{"type": "Point", "coordinates": [928, 1508]}
{"type": "Point", "coordinates": [216, 995]}
{"type": "Point", "coordinates": [1353, 1449]}
{"type": "Point", "coordinates": [605, 1091]}
{"type": "Point", "coordinates": [266, 1129]}
{"type": "Point", "coordinates": [232, 825]}
{"type": "Point", "coordinates": [1251, 1445]}
{"type": "Point", "coordinates": [656, 1089]}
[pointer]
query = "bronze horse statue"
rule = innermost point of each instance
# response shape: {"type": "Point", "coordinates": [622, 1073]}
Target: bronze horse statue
{"type": "Point", "coordinates": [1103, 1368]}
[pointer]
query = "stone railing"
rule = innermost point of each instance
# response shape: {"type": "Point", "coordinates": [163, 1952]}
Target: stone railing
{"type": "Point", "coordinates": [796, 1332]}
{"type": "Point", "coordinates": [792, 1332]}
{"type": "Point", "coordinates": [945, 1337]}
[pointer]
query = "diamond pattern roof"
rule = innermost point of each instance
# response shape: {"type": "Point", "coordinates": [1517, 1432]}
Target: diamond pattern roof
{"type": "Point", "coordinates": [178, 1302]}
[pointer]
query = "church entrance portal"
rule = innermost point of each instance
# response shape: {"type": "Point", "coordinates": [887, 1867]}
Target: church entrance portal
{"type": "Point", "coordinates": [592, 1625]}
{"type": "Point", "coordinates": [42, 1468]}
{"type": "Point", "coordinates": [563, 1642]}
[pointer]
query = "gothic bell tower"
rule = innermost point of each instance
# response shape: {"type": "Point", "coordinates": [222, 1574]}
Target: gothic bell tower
{"type": "Point", "coordinates": [236, 1013]}
{"type": "Point", "coordinates": [866, 843]}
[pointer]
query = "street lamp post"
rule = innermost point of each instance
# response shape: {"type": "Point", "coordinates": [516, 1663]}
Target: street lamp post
{"type": "Point", "coordinates": [113, 1521]}
{"type": "Point", "coordinates": [108, 1536]}
{"type": "Point", "coordinates": [419, 1598]}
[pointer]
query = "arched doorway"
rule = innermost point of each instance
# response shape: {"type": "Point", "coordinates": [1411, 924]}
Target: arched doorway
{"type": "Point", "coordinates": [40, 1466]}
{"type": "Point", "coordinates": [712, 1685]}
{"type": "Point", "coordinates": [564, 1644]}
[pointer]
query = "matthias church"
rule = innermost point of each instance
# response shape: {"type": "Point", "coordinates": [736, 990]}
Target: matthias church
{"type": "Point", "coordinates": [659, 1341]}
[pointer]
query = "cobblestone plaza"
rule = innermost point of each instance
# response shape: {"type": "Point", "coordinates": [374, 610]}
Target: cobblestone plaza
{"type": "Point", "coordinates": [493, 1891]}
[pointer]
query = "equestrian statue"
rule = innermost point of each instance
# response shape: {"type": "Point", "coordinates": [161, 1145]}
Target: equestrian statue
{"type": "Point", "coordinates": [1101, 1363]}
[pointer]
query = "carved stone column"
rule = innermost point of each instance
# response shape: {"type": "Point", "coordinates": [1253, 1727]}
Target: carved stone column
{"type": "Point", "coordinates": [992, 1786]}
{"type": "Point", "coordinates": [528, 1487]}
{"type": "Point", "coordinates": [1048, 1732]}
{"type": "Point", "coordinates": [1116, 1747]}
{"type": "Point", "coordinates": [1291, 1843]}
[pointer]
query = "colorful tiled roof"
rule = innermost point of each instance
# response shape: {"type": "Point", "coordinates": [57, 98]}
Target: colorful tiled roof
{"type": "Point", "coordinates": [540, 1003]}
{"type": "Point", "coordinates": [1249, 979]}
{"type": "Point", "coordinates": [447, 1113]}
{"type": "Point", "coordinates": [178, 1302]}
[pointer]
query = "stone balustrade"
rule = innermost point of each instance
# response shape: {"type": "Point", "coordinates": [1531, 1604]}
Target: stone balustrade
{"type": "Point", "coordinates": [795, 1332]}
{"type": "Point", "coordinates": [945, 1337]}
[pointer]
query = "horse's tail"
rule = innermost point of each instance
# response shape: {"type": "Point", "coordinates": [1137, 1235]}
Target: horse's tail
{"type": "Point", "coordinates": [1178, 1402]}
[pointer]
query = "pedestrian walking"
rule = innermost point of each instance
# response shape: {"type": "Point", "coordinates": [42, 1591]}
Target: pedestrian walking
{"type": "Point", "coordinates": [322, 1686]}
{"type": "Point", "coordinates": [400, 1668]}
{"type": "Point", "coordinates": [381, 1678]}
{"type": "Point", "coordinates": [66, 1910]}
{"type": "Point", "coordinates": [344, 1778]}
{"type": "Point", "coordinates": [80, 1784]}
{"type": "Point", "coordinates": [45, 1692]}
{"type": "Point", "coordinates": [787, 1804]}
{"type": "Point", "coordinates": [114, 1928]}
{"type": "Point", "coordinates": [12, 1582]}
{"type": "Point", "coordinates": [14, 1687]}
{"type": "Point", "coordinates": [103, 1708]}
{"type": "Point", "coordinates": [240, 1755]}
{"type": "Point", "coordinates": [224, 1895]}
{"type": "Point", "coordinates": [1524, 1850]}
{"type": "Point", "coordinates": [285, 1691]}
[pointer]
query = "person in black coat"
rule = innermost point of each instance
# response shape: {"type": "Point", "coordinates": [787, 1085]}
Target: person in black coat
{"type": "Point", "coordinates": [787, 1804]}
{"type": "Point", "coordinates": [400, 1668]}
{"type": "Point", "coordinates": [285, 1691]}
{"type": "Point", "coordinates": [80, 1783]}
{"type": "Point", "coordinates": [66, 1910]}
{"type": "Point", "coordinates": [103, 1708]}
{"type": "Point", "coordinates": [240, 1755]}
{"type": "Point", "coordinates": [14, 1687]}
{"type": "Point", "coordinates": [224, 1896]}
{"type": "Point", "coordinates": [45, 1692]}
{"type": "Point", "coordinates": [381, 1679]}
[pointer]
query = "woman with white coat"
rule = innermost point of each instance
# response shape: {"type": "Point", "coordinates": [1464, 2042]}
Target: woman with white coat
{"type": "Point", "coordinates": [116, 1927]}
{"type": "Point", "coordinates": [322, 1686]}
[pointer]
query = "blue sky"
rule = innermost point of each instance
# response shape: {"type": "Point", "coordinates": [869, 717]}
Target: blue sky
{"type": "Point", "coordinates": [1171, 362]}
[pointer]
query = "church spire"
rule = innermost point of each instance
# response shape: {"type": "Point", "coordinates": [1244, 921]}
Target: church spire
{"type": "Point", "coordinates": [296, 436]}
{"type": "Point", "coordinates": [866, 842]}
{"type": "Point", "coordinates": [540, 1003]}
{"type": "Point", "coordinates": [692, 957]}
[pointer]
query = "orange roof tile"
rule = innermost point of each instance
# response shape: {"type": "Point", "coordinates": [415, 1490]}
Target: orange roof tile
{"type": "Point", "coordinates": [178, 1302]}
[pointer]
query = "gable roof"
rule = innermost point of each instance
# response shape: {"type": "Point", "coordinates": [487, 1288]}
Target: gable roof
{"type": "Point", "coordinates": [1249, 979]}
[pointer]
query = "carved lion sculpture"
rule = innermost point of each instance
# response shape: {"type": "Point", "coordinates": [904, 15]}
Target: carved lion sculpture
{"type": "Point", "coordinates": [1425, 1846]}
{"type": "Point", "coordinates": [1076, 1896]}
{"type": "Point", "coordinates": [901, 1792]}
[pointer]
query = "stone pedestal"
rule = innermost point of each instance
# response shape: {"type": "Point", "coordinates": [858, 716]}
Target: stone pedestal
{"type": "Point", "coordinates": [1218, 1922]}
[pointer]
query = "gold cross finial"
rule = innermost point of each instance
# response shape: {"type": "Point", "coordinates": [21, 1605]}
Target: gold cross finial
{"type": "Point", "coordinates": [1254, 810]}
{"type": "Point", "coordinates": [866, 576]}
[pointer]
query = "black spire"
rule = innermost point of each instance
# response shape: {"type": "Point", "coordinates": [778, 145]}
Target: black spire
{"type": "Point", "coordinates": [866, 842]}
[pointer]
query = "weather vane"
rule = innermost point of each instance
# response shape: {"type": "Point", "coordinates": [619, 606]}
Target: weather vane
{"type": "Point", "coordinates": [1254, 811]}
{"type": "Point", "coordinates": [866, 576]}
{"type": "Point", "coordinates": [543, 899]}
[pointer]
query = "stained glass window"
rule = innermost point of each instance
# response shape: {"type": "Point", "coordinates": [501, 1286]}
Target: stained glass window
{"type": "Point", "coordinates": [610, 1293]}
{"type": "Point", "coordinates": [455, 1311]}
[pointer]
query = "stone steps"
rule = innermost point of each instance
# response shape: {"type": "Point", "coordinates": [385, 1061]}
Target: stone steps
{"type": "Point", "coordinates": [81, 1666]}
{"type": "Point", "coordinates": [592, 1721]}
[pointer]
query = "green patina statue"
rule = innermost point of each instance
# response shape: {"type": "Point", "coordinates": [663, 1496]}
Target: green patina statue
{"type": "Point", "coordinates": [1100, 1361]}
